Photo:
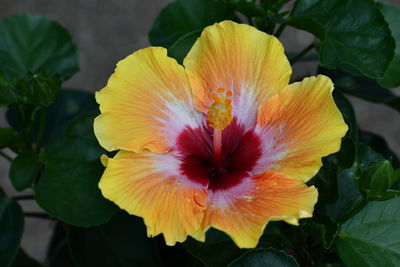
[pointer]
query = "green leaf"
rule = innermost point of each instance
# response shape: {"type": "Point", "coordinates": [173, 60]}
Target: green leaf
{"type": "Point", "coordinates": [121, 242]}
{"type": "Point", "coordinates": [248, 8]}
{"type": "Point", "coordinates": [28, 42]}
{"type": "Point", "coordinates": [349, 196]}
{"type": "Point", "coordinates": [7, 137]}
{"type": "Point", "coordinates": [67, 105]}
{"type": "Point", "coordinates": [180, 48]}
{"type": "Point", "coordinates": [216, 241]}
{"type": "Point", "coordinates": [185, 16]}
{"type": "Point", "coordinates": [353, 34]}
{"type": "Point", "coordinates": [391, 14]}
{"type": "Point", "coordinates": [371, 238]}
{"type": "Point", "coordinates": [265, 257]}
{"type": "Point", "coordinates": [326, 179]}
{"type": "Point", "coordinates": [377, 178]}
{"type": "Point", "coordinates": [11, 229]}
{"type": "Point", "coordinates": [24, 169]}
{"type": "Point", "coordinates": [68, 188]}
{"type": "Point", "coordinates": [82, 125]}
{"type": "Point", "coordinates": [346, 108]}
{"type": "Point", "coordinates": [364, 88]}
{"type": "Point", "coordinates": [34, 88]}
{"type": "Point", "coordinates": [379, 144]}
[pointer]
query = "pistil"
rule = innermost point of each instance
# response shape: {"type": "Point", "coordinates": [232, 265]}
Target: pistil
{"type": "Point", "coordinates": [217, 147]}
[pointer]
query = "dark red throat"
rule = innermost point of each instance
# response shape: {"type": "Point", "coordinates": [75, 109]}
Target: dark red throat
{"type": "Point", "coordinates": [241, 150]}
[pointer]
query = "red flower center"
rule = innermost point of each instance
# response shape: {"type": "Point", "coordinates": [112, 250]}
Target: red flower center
{"type": "Point", "coordinates": [240, 151]}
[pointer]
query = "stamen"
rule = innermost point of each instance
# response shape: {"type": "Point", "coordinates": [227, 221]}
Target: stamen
{"type": "Point", "coordinates": [220, 112]}
{"type": "Point", "coordinates": [219, 117]}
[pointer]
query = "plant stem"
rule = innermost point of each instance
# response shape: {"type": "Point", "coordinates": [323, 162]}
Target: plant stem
{"type": "Point", "coordinates": [270, 28]}
{"type": "Point", "coordinates": [6, 156]}
{"type": "Point", "coordinates": [280, 30]}
{"type": "Point", "coordinates": [24, 197]}
{"type": "Point", "coordinates": [23, 126]}
{"type": "Point", "coordinates": [302, 54]}
{"type": "Point", "coordinates": [42, 128]}
{"type": "Point", "coordinates": [249, 20]}
{"type": "Point", "coordinates": [38, 215]}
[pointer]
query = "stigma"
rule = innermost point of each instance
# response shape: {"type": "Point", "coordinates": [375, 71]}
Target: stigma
{"type": "Point", "coordinates": [220, 112]}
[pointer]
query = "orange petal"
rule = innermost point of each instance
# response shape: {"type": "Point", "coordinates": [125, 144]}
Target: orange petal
{"type": "Point", "coordinates": [145, 103]}
{"type": "Point", "coordinates": [306, 125]}
{"type": "Point", "coordinates": [149, 185]}
{"type": "Point", "coordinates": [241, 59]}
{"type": "Point", "coordinates": [243, 212]}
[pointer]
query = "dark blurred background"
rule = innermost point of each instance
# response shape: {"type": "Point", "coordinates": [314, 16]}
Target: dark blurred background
{"type": "Point", "coordinates": [107, 31]}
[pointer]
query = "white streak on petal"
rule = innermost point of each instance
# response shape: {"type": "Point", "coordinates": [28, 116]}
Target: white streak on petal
{"type": "Point", "coordinates": [272, 151]}
{"type": "Point", "coordinates": [179, 115]}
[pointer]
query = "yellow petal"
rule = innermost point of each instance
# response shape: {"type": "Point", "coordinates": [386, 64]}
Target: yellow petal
{"type": "Point", "coordinates": [244, 211]}
{"type": "Point", "coordinates": [306, 124]}
{"type": "Point", "coordinates": [149, 185]}
{"type": "Point", "coordinates": [145, 103]}
{"type": "Point", "coordinates": [241, 59]}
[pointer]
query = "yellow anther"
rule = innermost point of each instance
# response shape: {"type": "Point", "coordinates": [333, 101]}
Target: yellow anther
{"type": "Point", "coordinates": [220, 112]}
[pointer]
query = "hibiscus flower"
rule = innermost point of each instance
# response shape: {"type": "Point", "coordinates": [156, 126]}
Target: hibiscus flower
{"type": "Point", "coordinates": [223, 141]}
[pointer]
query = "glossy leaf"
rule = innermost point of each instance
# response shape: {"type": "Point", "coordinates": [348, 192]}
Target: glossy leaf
{"type": "Point", "coordinates": [11, 229]}
{"type": "Point", "coordinates": [24, 169]}
{"type": "Point", "coordinates": [185, 16]}
{"type": "Point", "coordinates": [180, 48]}
{"type": "Point", "coordinates": [353, 34]}
{"type": "Point", "coordinates": [28, 42]}
{"type": "Point", "coordinates": [391, 14]}
{"type": "Point", "coordinates": [379, 144]}
{"type": "Point", "coordinates": [68, 105]}
{"type": "Point", "coordinates": [215, 241]}
{"type": "Point", "coordinates": [371, 238]}
{"type": "Point", "coordinates": [82, 125]}
{"type": "Point", "coordinates": [346, 108]}
{"type": "Point", "coordinates": [247, 8]}
{"type": "Point", "coordinates": [265, 257]}
{"type": "Point", "coordinates": [326, 179]}
{"type": "Point", "coordinates": [363, 88]}
{"type": "Point", "coordinates": [68, 187]}
{"type": "Point", "coordinates": [348, 194]}
{"type": "Point", "coordinates": [121, 242]}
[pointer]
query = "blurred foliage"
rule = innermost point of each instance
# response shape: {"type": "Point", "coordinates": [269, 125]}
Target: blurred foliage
{"type": "Point", "coordinates": [57, 155]}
